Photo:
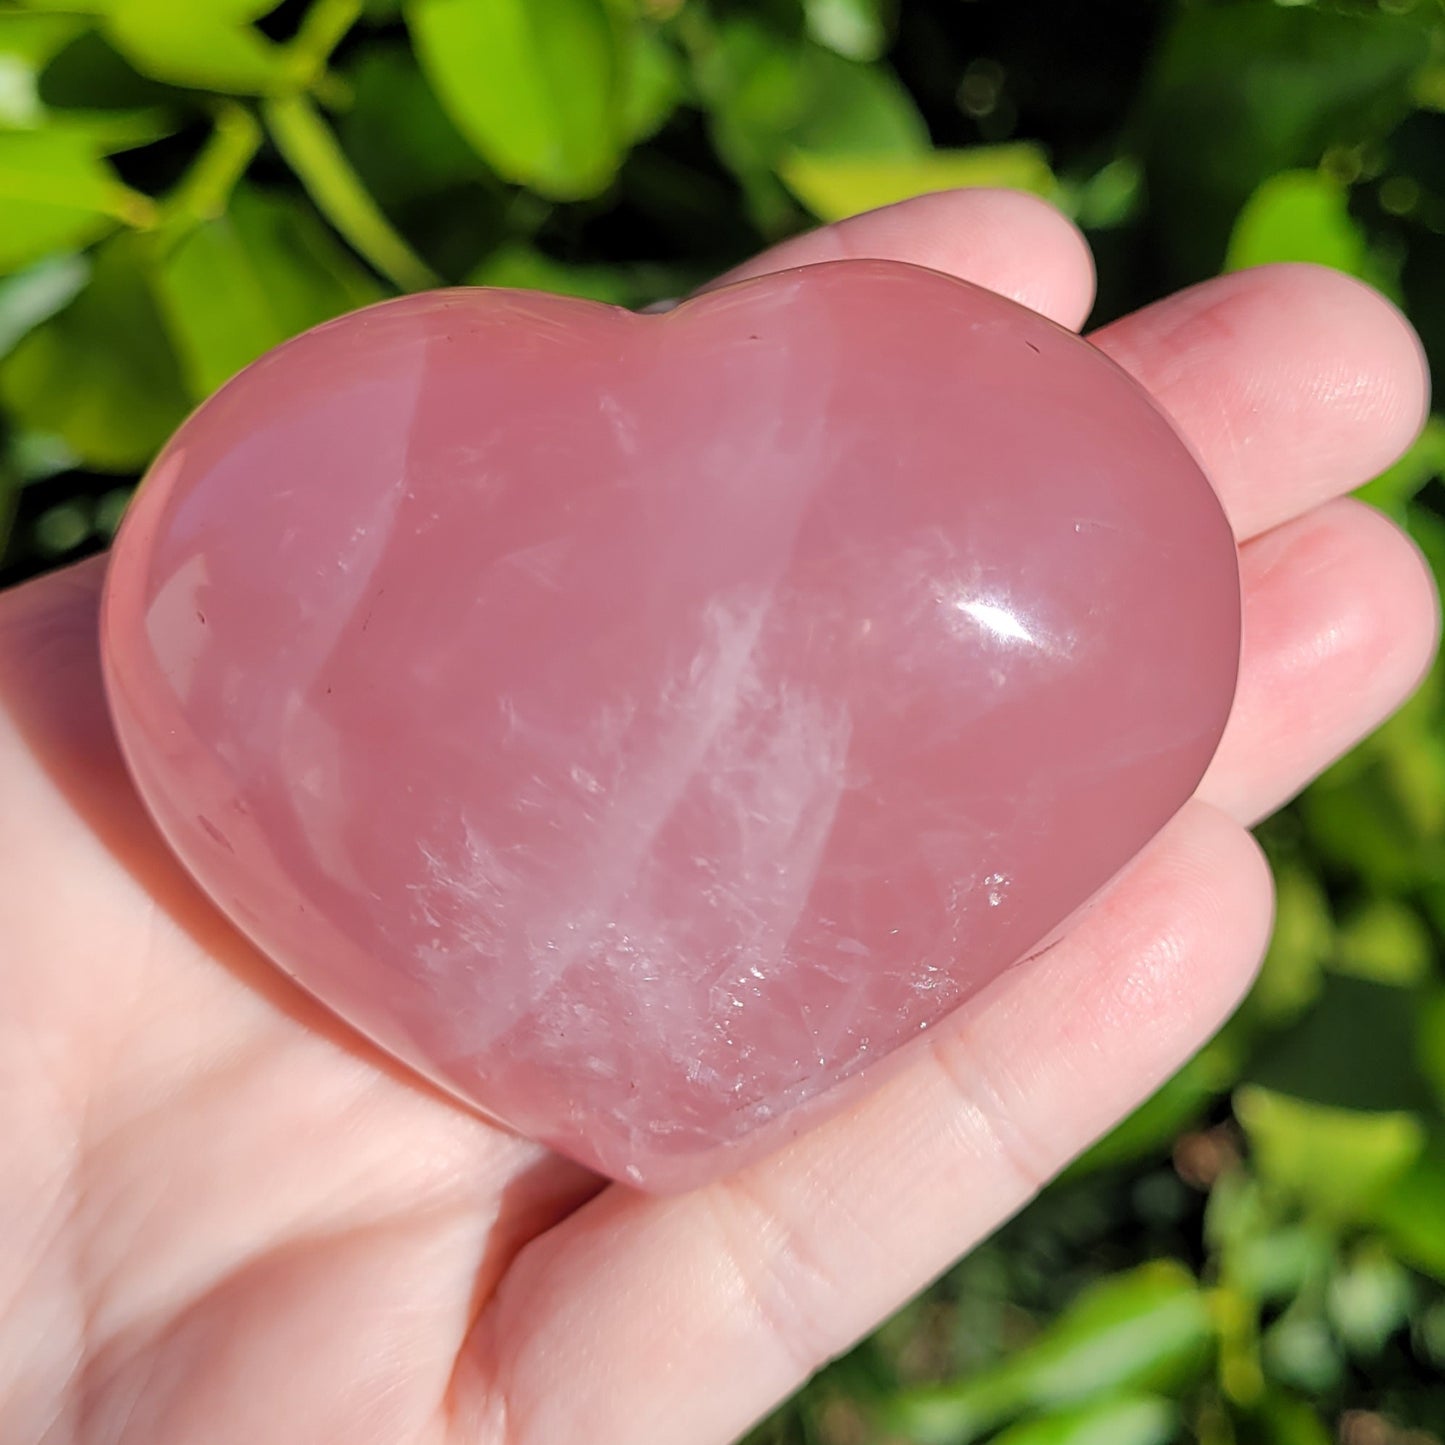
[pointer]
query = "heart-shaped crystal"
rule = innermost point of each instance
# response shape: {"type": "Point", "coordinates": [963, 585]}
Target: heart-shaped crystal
{"type": "Point", "coordinates": [642, 723]}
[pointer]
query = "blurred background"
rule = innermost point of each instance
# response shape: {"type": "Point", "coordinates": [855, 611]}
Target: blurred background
{"type": "Point", "coordinates": [1257, 1257]}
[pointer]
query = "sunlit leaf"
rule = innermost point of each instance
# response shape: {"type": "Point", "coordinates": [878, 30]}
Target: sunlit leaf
{"type": "Point", "coordinates": [835, 186]}
{"type": "Point", "coordinates": [27, 43]}
{"type": "Point", "coordinates": [1338, 1162]}
{"type": "Point", "coordinates": [1300, 1350]}
{"type": "Point", "coordinates": [857, 29]}
{"type": "Point", "coordinates": [207, 46]}
{"type": "Point", "coordinates": [34, 38]}
{"type": "Point", "coordinates": [1386, 942]}
{"type": "Point", "coordinates": [1142, 1420]}
{"type": "Point", "coordinates": [1298, 216]}
{"type": "Point", "coordinates": [1368, 1300]}
{"type": "Point", "coordinates": [1146, 1330]}
{"type": "Point", "coordinates": [57, 194]}
{"type": "Point", "coordinates": [534, 85]}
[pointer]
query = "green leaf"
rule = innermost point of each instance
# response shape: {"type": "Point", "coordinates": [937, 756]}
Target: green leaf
{"type": "Point", "coordinates": [1369, 1300]}
{"type": "Point", "coordinates": [234, 12]}
{"type": "Point", "coordinates": [400, 140]}
{"type": "Point", "coordinates": [206, 46]}
{"type": "Point", "coordinates": [1369, 1025]}
{"type": "Point", "coordinates": [854, 110]}
{"type": "Point", "coordinates": [534, 85]}
{"type": "Point", "coordinates": [324, 26]}
{"type": "Point", "coordinates": [234, 287]}
{"type": "Point", "coordinates": [101, 374]}
{"type": "Point", "coordinates": [857, 29]}
{"type": "Point", "coordinates": [1336, 1162]}
{"type": "Point", "coordinates": [1298, 216]}
{"type": "Point", "coordinates": [1395, 488]}
{"type": "Point", "coordinates": [836, 186]}
{"type": "Point", "coordinates": [1149, 1329]}
{"type": "Point", "coordinates": [1430, 1043]}
{"type": "Point", "coordinates": [1303, 938]}
{"type": "Point", "coordinates": [777, 95]}
{"type": "Point", "coordinates": [655, 83]}
{"type": "Point", "coordinates": [314, 154]}
{"type": "Point", "coordinates": [432, 186]}
{"type": "Point", "coordinates": [769, 95]}
{"type": "Point", "coordinates": [1282, 1419]}
{"type": "Point", "coordinates": [1411, 1215]}
{"type": "Point", "coordinates": [35, 39]}
{"type": "Point", "coordinates": [1357, 820]}
{"type": "Point", "coordinates": [57, 194]}
{"type": "Point", "coordinates": [205, 190]}
{"type": "Point", "coordinates": [1272, 88]}
{"type": "Point", "coordinates": [1300, 1350]}
{"type": "Point", "coordinates": [1141, 1420]}
{"type": "Point", "coordinates": [27, 43]}
{"type": "Point", "coordinates": [1273, 1265]}
{"type": "Point", "coordinates": [42, 168]}
{"type": "Point", "coordinates": [1113, 196]}
{"type": "Point", "coordinates": [38, 293]}
{"type": "Point", "coordinates": [88, 89]}
{"type": "Point", "coordinates": [1385, 942]}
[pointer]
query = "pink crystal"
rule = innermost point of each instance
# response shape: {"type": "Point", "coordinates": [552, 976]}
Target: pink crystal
{"type": "Point", "coordinates": [642, 723]}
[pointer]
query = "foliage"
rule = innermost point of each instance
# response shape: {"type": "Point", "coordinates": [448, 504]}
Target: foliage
{"type": "Point", "coordinates": [1258, 1255]}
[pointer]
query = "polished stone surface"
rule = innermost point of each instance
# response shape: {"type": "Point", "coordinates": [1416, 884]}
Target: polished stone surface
{"type": "Point", "coordinates": [641, 724]}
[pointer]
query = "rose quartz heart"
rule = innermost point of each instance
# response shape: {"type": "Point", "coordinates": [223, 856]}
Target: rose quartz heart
{"type": "Point", "coordinates": [642, 723]}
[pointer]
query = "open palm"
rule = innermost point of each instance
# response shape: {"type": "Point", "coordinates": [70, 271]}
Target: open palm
{"type": "Point", "coordinates": [224, 1218]}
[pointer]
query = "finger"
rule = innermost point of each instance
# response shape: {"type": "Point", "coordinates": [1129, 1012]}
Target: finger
{"type": "Point", "coordinates": [755, 1282]}
{"type": "Point", "coordinates": [1012, 243]}
{"type": "Point", "coordinates": [1293, 384]}
{"type": "Point", "coordinates": [1340, 625]}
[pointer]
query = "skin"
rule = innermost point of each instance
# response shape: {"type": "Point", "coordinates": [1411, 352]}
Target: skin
{"type": "Point", "coordinates": [224, 1218]}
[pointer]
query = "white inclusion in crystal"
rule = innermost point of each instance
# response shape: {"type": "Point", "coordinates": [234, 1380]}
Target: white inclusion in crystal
{"type": "Point", "coordinates": [624, 427]}
{"type": "Point", "coordinates": [585, 780]}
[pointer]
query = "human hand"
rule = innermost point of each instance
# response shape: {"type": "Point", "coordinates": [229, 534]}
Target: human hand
{"type": "Point", "coordinates": [225, 1218]}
